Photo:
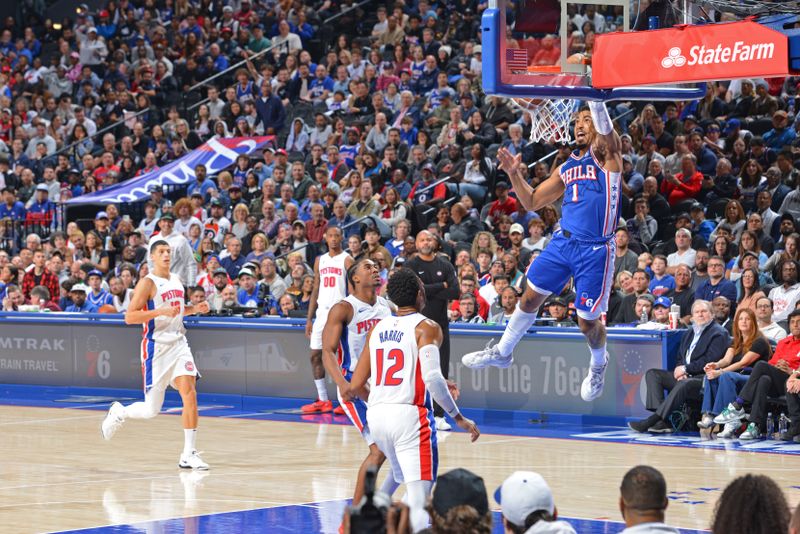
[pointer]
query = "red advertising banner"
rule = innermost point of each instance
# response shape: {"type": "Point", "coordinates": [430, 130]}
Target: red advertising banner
{"type": "Point", "coordinates": [689, 54]}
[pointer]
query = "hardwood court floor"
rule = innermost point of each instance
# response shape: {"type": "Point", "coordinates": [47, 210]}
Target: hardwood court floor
{"type": "Point", "coordinates": [58, 473]}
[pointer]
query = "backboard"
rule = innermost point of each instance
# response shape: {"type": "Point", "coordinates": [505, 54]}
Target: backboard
{"type": "Point", "coordinates": [543, 49]}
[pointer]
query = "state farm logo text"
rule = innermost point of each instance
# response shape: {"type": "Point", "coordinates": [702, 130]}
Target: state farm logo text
{"type": "Point", "coordinates": [700, 55]}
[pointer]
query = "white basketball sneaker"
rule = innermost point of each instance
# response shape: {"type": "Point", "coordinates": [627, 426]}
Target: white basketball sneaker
{"type": "Point", "coordinates": [442, 424]}
{"type": "Point", "coordinates": [192, 461]}
{"type": "Point", "coordinates": [489, 356]}
{"type": "Point", "coordinates": [113, 421]}
{"type": "Point", "coordinates": [592, 386]}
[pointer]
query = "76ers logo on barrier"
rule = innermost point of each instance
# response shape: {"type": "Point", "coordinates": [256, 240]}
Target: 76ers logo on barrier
{"type": "Point", "coordinates": [631, 375]}
{"type": "Point", "coordinates": [99, 361]}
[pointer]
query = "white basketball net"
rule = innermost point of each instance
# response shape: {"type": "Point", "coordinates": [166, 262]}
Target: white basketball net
{"type": "Point", "coordinates": [549, 118]}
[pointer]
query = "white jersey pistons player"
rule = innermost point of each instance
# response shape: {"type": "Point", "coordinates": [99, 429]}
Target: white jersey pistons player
{"type": "Point", "coordinates": [343, 340]}
{"type": "Point", "coordinates": [401, 363]}
{"type": "Point", "coordinates": [330, 286]}
{"type": "Point", "coordinates": [159, 305]}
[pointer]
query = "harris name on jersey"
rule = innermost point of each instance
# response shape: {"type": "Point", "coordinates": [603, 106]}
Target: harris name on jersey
{"type": "Point", "coordinates": [390, 335]}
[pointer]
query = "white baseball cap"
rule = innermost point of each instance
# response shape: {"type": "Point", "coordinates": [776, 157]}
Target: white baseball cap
{"type": "Point", "coordinates": [523, 493]}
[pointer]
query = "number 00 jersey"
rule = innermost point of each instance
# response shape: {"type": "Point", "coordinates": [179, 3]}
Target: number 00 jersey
{"type": "Point", "coordinates": [394, 360]}
{"type": "Point", "coordinates": [365, 316]}
{"type": "Point", "coordinates": [332, 282]}
{"type": "Point", "coordinates": [169, 293]}
{"type": "Point", "coordinates": [590, 209]}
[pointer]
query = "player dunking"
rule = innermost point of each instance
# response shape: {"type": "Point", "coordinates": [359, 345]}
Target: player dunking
{"type": "Point", "coordinates": [330, 286]}
{"type": "Point", "coordinates": [158, 304]}
{"type": "Point", "coordinates": [401, 362]}
{"type": "Point", "coordinates": [584, 248]}
{"type": "Point", "coordinates": [343, 338]}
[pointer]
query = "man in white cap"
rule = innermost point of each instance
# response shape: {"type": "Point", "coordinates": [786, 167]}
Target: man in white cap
{"type": "Point", "coordinates": [528, 506]}
{"type": "Point", "coordinates": [93, 50]}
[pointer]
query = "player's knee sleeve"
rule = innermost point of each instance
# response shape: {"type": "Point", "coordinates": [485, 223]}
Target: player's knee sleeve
{"type": "Point", "coordinates": [153, 401]}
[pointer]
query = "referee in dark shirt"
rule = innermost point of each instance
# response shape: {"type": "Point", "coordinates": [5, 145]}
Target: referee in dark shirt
{"type": "Point", "coordinates": [441, 286]}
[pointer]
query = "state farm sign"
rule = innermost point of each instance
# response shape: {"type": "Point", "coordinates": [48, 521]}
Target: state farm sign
{"type": "Point", "coordinates": [689, 53]}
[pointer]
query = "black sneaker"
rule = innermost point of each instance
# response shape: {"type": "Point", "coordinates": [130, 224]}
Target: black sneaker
{"type": "Point", "coordinates": [644, 424]}
{"type": "Point", "coordinates": [661, 428]}
{"type": "Point", "coordinates": [792, 434]}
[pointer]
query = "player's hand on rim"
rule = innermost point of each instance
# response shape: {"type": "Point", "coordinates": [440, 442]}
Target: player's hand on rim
{"type": "Point", "coordinates": [468, 425]}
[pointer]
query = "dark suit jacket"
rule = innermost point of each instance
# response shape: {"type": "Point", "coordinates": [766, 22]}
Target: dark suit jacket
{"type": "Point", "coordinates": [711, 347]}
{"type": "Point", "coordinates": [271, 113]}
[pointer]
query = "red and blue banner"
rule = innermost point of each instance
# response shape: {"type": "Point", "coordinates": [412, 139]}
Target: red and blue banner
{"type": "Point", "coordinates": [216, 155]}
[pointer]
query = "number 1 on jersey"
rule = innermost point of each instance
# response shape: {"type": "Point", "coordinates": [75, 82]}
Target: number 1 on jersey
{"type": "Point", "coordinates": [574, 192]}
{"type": "Point", "coordinates": [399, 360]}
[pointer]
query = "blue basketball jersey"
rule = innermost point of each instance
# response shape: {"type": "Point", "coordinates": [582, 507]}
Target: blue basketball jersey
{"type": "Point", "coordinates": [591, 204]}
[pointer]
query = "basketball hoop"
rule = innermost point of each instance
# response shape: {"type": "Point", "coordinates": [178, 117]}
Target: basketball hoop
{"type": "Point", "coordinates": [550, 118]}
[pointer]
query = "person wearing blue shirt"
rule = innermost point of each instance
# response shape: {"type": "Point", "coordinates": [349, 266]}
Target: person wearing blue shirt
{"type": "Point", "coordinates": [779, 136]}
{"type": "Point", "coordinates": [11, 208]}
{"type": "Point", "coordinates": [234, 261]}
{"type": "Point", "coordinates": [247, 296]}
{"type": "Point", "coordinates": [700, 225]}
{"type": "Point", "coordinates": [661, 283]}
{"type": "Point", "coordinates": [321, 86]}
{"type": "Point", "coordinates": [716, 285]}
{"type": "Point", "coordinates": [202, 185]}
{"type": "Point", "coordinates": [97, 296]}
{"type": "Point", "coordinates": [79, 303]}
{"type": "Point", "coordinates": [42, 211]}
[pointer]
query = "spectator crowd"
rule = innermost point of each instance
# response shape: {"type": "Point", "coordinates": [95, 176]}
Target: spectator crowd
{"type": "Point", "coordinates": [381, 128]}
{"type": "Point", "coordinates": [459, 503]}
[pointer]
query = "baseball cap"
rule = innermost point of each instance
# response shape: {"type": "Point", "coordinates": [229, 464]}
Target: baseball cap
{"type": "Point", "coordinates": [388, 65]}
{"type": "Point", "coordinates": [101, 215]}
{"type": "Point", "coordinates": [298, 222]}
{"type": "Point", "coordinates": [92, 29]}
{"type": "Point", "coordinates": [683, 215]}
{"type": "Point", "coordinates": [246, 271]}
{"type": "Point", "coordinates": [662, 301]}
{"type": "Point", "coordinates": [280, 151]}
{"type": "Point", "coordinates": [215, 202]}
{"type": "Point", "coordinates": [627, 157]}
{"type": "Point", "coordinates": [731, 125]}
{"type": "Point", "coordinates": [649, 138]}
{"type": "Point", "coordinates": [646, 296]}
{"type": "Point", "coordinates": [80, 287]}
{"type": "Point", "coordinates": [557, 300]}
{"type": "Point", "coordinates": [103, 13]}
{"type": "Point", "coordinates": [94, 272]}
{"type": "Point", "coordinates": [780, 113]}
{"type": "Point", "coordinates": [235, 186]}
{"type": "Point", "coordinates": [154, 188]}
{"type": "Point", "coordinates": [42, 187]}
{"type": "Point", "coordinates": [73, 170]}
{"type": "Point", "coordinates": [523, 493]}
{"type": "Point", "coordinates": [227, 9]}
{"type": "Point", "coordinates": [501, 185]}
{"type": "Point", "coordinates": [516, 228]}
{"type": "Point", "coordinates": [477, 49]}
{"type": "Point", "coordinates": [696, 206]}
{"type": "Point", "coordinates": [428, 167]}
{"type": "Point", "coordinates": [690, 118]}
{"type": "Point", "coordinates": [459, 487]}
{"type": "Point", "coordinates": [220, 270]}
{"type": "Point", "coordinates": [167, 217]}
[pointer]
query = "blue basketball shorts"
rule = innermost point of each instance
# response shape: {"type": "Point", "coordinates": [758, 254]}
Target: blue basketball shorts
{"type": "Point", "coordinates": [590, 264]}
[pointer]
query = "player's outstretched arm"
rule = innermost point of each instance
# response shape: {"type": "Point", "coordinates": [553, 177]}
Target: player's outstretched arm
{"type": "Point", "coordinates": [358, 382]}
{"type": "Point", "coordinates": [202, 307]}
{"type": "Point", "coordinates": [137, 311]}
{"type": "Point", "coordinates": [429, 339]}
{"type": "Point", "coordinates": [312, 303]}
{"type": "Point", "coordinates": [532, 199]}
{"type": "Point", "coordinates": [605, 128]}
{"type": "Point", "coordinates": [340, 315]}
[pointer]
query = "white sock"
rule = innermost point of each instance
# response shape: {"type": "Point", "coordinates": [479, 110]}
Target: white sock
{"type": "Point", "coordinates": [189, 438]}
{"type": "Point", "coordinates": [418, 492]}
{"type": "Point", "coordinates": [153, 400]}
{"type": "Point", "coordinates": [598, 356]}
{"type": "Point", "coordinates": [322, 391]}
{"type": "Point", "coordinates": [517, 326]}
{"type": "Point", "coordinates": [390, 485]}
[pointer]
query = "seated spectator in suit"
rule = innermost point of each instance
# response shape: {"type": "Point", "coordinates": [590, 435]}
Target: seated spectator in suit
{"type": "Point", "coordinates": [626, 313]}
{"type": "Point", "coordinates": [706, 341]}
{"type": "Point", "coordinates": [767, 380]}
{"type": "Point", "coordinates": [722, 313]}
{"type": "Point", "coordinates": [726, 377]}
